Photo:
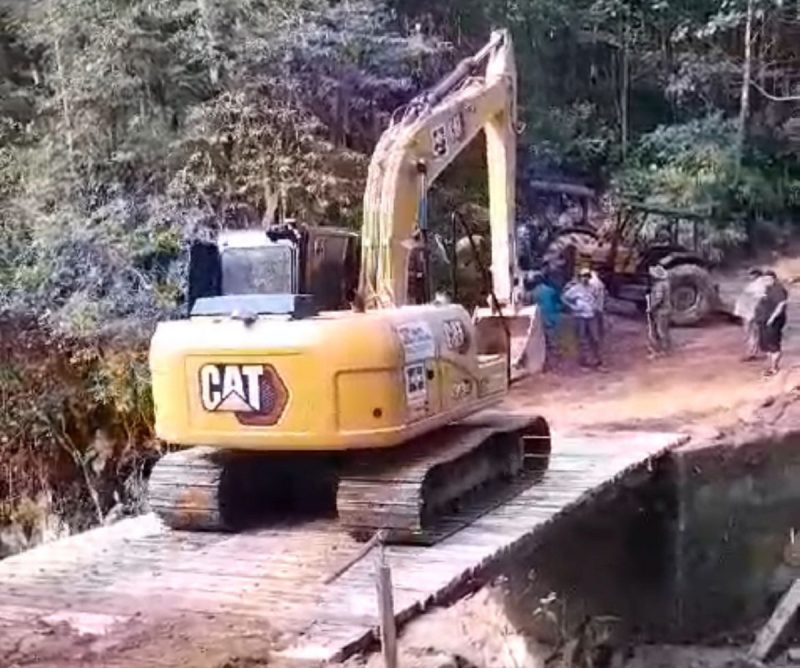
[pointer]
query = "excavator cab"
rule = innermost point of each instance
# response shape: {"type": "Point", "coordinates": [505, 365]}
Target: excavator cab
{"type": "Point", "coordinates": [321, 262]}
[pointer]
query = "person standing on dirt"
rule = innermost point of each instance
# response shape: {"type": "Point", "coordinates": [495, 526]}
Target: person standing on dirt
{"type": "Point", "coordinates": [599, 289]}
{"type": "Point", "coordinates": [770, 316]}
{"type": "Point", "coordinates": [545, 296]}
{"type": "Point", "coordinates": [659, 311]}
{"type": "Point", "coordinates": [745, 309]}
{"type": "Point", "coordinates": [582, 302]}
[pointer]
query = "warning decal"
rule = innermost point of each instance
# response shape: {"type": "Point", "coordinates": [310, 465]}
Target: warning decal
{"type": "Point", "coordinates": [418, 341]}
{"type": "Point", "coordinates": [416, 390]}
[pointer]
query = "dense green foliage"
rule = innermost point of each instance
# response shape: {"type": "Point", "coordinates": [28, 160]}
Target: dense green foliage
{"type": "Point", "coordinates": [129, 126]}
{"type": "Point", "coordinates": [126, 129]}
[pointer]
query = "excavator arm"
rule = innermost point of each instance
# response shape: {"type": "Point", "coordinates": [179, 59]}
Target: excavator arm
{"type": "Point", "coordinates": [429, 134]}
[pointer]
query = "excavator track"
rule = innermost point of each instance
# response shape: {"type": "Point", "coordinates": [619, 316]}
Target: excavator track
{"type": "Point", "coordinates": [432, 487]}
{"type": "Point", "coordinates": [185, 490]}
{"type": "Point", "coordinates": [206, 489]}
{"type": "Point", "coordinates": [416, 493]}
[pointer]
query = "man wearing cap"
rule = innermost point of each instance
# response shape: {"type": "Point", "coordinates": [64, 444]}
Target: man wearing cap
{"type": "Point", "coordinates": [582, 302]}
{"type": "Point", "coordinates": [659, 310]}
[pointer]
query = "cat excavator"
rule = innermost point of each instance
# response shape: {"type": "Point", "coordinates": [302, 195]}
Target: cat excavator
{"type": "Point", "coordinates": [281, 395]}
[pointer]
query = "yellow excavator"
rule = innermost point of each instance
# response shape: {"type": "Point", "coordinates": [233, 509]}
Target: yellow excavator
{"type": "Point", "coordinates": [291, 401]}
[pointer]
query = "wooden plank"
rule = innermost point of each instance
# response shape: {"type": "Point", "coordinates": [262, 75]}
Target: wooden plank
{"type": "Point", "coordinates": [274, 574]}
{"type": "Point", "coordinates": [388, 630]}
{"type": "Point", "coordinates": [777, 626]}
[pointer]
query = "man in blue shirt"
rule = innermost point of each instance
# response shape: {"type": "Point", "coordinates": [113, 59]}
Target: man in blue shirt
{"type": "Point", "coordinates": [545, 296]}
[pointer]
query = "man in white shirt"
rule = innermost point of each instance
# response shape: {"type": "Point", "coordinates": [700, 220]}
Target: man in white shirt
{"type": "Point", "coordinates": [745, 310]}
{"type": "Point", "coordinates": [599, 289]}
{"type": "Point", "coordinates": [581, 300]}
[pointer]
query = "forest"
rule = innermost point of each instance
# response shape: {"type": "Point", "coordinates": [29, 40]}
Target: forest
{"type": "Point", "coordinates": [130, 127]}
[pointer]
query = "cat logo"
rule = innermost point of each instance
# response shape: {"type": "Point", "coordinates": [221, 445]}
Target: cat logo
{"type": "Point", "coordinates": [253, 392]}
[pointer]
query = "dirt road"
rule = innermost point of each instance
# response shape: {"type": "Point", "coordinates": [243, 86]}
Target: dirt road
{"type": "Point", "coordinates": [702, 383]}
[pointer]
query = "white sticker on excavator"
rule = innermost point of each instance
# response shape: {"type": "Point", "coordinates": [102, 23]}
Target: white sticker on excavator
{"type": "Point", "coordinates": [416, 390]}
{"type": "Point", "coordinates": [418, 341]}
{"type": "Point", "coordinates": [455, 335]}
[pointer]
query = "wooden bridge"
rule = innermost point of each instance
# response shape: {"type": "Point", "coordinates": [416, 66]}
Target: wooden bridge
{"type": "Point", "coordinates": [114, 583]}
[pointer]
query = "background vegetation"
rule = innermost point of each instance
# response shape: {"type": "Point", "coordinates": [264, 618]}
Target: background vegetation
{"type": "Point", "coordinates": [127, 127]}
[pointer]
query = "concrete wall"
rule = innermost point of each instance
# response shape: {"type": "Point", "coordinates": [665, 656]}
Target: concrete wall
{"type": "Point", "coordinates": [737, 506]}
{"type": "Point", "coordinates": [613, 558]}
{"type": "Point", "coordinates": [695, 549]}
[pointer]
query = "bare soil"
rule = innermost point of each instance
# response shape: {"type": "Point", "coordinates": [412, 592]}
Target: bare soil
{"type": "Point", "coordinates": [702, 383]}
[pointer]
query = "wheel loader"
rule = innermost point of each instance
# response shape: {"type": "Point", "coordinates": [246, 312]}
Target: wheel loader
{"type": "Point", "coordinates": [311, 374]}
{"type": "Point", "coordinates": [622, 253]}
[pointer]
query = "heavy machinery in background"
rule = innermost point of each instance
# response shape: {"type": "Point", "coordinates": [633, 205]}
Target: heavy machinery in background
{"type": "Point", "coordinates": [285, 398]}
{"type": "Point", "coordinates": [625, 247]}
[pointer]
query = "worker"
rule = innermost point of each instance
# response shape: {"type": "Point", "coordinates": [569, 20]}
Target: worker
{"type": "Point", "coordinates": [599, 289]}
{"type": "Point", "coordinates": [582, 302]}
{"type": "Point", "coordinates": [745, 310]}
{"type": "Point", "coordinates": [770, 315]}
{"type": "Point", "coordinates": [544, 295]}
{"type": "Point", "coordinates": [659, 311]}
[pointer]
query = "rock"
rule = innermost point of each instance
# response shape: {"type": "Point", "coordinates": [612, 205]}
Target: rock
{"type": "Point", "coordinates": [12, 540]}
{"type": "Point", "coordinates": [474, 632]}
{"type": "Point", "coordinates": [791, 382]}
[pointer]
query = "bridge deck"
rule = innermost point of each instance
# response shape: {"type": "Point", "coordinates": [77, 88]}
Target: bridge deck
{"type": "Point", "coordinates": [136, 572]}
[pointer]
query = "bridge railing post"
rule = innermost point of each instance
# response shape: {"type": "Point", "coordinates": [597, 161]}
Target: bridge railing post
{"type": "Point", "coordinates": [388, 627]}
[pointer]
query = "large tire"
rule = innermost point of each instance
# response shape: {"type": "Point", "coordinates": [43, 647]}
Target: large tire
{"type": "Point", "coordinates": [691, 294]}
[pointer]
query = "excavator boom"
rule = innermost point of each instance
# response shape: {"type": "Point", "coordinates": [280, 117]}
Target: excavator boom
{"type": "Point", "coordinates": [431, 132]}
{"type": "Point", "coordinates": [428, 135]}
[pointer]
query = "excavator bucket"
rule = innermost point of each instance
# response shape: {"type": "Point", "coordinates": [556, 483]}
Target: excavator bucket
{"type": "Point", "coordinates": [519, 331]}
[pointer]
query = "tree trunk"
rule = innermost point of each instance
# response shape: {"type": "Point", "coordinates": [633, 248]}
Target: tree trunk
{"type": "Point", "coordinates": [65, 107]}
{"type": "Point", "coordinates": [624, 90]}
{"type": "Point", "coordinates": [214, 66]}
{"type": "Point", "coordinates": [744, 106]}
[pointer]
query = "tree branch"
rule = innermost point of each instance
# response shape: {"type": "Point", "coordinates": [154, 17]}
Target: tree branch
{"type": "Point", "coordinates": [775, 98]}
